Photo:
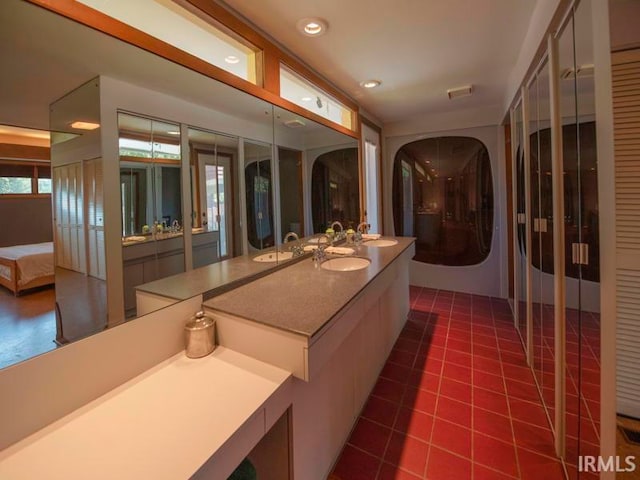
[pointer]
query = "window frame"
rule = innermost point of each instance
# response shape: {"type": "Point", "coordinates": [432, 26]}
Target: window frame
{"type": "Point", "coordinates": [35, 192]}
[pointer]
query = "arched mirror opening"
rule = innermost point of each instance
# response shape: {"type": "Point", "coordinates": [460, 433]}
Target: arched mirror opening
{"type": "Point", "coordinates": [443, 195]}
{"type": "Point", "coordinates": [291, 200]}
{"type": "Point", "coordinates": [151, 202]}
{"type": "Point", "coordinates": [259, 195]}
{"type": "Point", "coordinates": [335, 189]}
{"type": "Point", "coordinates": [214, 203]}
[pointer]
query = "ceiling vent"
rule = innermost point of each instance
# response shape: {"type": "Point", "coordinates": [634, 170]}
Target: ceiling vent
{"type": "Point", "coordinates": [460, 92]}
{"type": "Point", "coordinates": [295, 123]}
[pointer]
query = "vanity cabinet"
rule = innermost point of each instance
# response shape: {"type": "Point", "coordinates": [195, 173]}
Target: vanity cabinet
{"type": "Point", "coordinates": [148, 261]}
{"type": "Point", "coordinates": [205, 248]}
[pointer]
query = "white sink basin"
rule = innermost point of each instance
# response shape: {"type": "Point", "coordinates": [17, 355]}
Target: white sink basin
{"type": "Point", "coordinates": [273, 257]}
{"type": "Point", "coordinates": [345, 264]}
{"type": "Point", "coordinates": [381, 243]}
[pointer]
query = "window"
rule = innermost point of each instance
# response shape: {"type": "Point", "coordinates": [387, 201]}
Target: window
{"type": "Point", "coordinates": [443, 196]}
{"type": "Point", "coordinates": [191, 32]}
{"type": "Point", "coordinates": [304, 94]}
{"type": "Point", "coordinates": [23, 178]}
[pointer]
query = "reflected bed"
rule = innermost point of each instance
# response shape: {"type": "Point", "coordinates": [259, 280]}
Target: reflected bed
{"type": "Point", "coordinates": [26, 266]}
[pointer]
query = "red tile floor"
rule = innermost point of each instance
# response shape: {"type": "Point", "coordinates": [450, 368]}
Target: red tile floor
{"type": "Point", "coordinates": [455, 400]}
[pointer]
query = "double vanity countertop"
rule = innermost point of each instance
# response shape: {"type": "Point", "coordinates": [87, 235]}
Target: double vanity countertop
{"type": "Point", "coordinates": [209, 280]}
{"type": "Point", "coordinates": [303, 298]}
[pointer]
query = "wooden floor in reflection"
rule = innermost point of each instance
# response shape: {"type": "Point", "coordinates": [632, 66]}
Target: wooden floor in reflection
{"type": "Point", "coordinates": [82, 301]}
{"type": "Point", "coordinates": [28, 322]}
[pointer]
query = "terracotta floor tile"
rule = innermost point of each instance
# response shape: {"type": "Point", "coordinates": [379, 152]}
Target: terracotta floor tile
{"type": "Point", "coordinates": [535, 438]}
{"type": "Point", "coordinates": [380, 411]}
{"type": "Point", "coordinates": [470, 394]}
{"type": "Point", "coordinates": [451, 437]}
{"type": "Point", "coordinates": [491, 401]}
{"type": "Point", "coordinates": [395, 372]}
{"type": "Point", "coordinates": [495, 454]}
{"type": "Point", "coordinates": [414, 423]}
{"type": "Point", "coordinates": [388, 390]}
{"type": "Point", "coordinates": [456, 390]}
{"type": "Point", "coordinates": [401, 357]}
{"type": "Point", "coordinates": [480, 472]}
{"type": "Point", "coordinates": [408, 453]}
{"type": "Point", "coordinates": [456, 372]}
{"type": "Point", "coordinates": [459, 345]}
{"type": "Point", "coordinates": [370, 437]}
{"type": "Point", "coordinates": [424, 380]}
{"type": "Point", "coordinates": [420, 400]}
{"type": "Point", "coordinates": [443, 465]}
{"type": "Point", "coordinates": [393, 472]}
{"type": "Point", "coordinates": [458, 358]}
{"type": "Point", "coordinates": [536, 467]}
{"type": "Point", "coordinates": [522, 390]}
{"type": "Point", "coordinates": [454, 411]}
{"type": "Point", "coordinates": [355, 464]}
{"type": "Point", "coordinates": [488, 365]}
{"type": "Point", "coordinates": [488, 381]}
{"type": "Point", "coordinates": [492, 424]}
{"type": "Point", "coordinates": [528, 412]}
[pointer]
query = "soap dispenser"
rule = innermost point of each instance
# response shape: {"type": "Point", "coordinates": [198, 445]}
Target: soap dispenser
{"type": "Point", "coordinates": [199, 336]}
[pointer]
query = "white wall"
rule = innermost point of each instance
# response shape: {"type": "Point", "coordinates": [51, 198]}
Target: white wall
{"type": "Point", "coordinates": [490, 276]}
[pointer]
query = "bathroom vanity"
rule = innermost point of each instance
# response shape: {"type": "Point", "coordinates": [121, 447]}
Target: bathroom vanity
{"type": "Point", "coordinates": [300, 343]}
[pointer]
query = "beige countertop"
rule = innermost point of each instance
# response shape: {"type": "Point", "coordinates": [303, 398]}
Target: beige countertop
{"type": "Point", "coordinates": [210, 279]}
{"type": "Point", "coordinates": [302, 298]}
{"type": "Point", "coordinates": [164, 424]}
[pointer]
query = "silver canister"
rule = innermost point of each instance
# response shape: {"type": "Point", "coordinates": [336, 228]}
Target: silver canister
{"type": "Point", "coordinates": [199, 334]}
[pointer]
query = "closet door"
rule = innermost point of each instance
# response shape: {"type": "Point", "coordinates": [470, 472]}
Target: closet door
{"type": "Point", "coordinates": [582, 288]}
{"type": "Point", "coordinates": [520, 250]}
{"type": "Point", "coordinates": [541, 177]}
{"type": "Point", "coordinates": [95, 218]}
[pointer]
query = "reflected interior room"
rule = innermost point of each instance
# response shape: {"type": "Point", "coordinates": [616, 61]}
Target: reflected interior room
{"type": "Point", "coordinates": [236, 244]}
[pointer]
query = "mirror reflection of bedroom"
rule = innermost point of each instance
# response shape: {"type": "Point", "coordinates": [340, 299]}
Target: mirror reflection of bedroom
{"type": "Point", "coordinates": [33, 273]}
{"type": "Point", "coordinates": [27, 295]}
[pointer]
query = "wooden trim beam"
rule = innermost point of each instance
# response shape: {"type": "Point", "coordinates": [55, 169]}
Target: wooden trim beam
{"type": "Point", "coordinates": [27, 152]}
{"type": "Point", "coordinates": [269, 85]}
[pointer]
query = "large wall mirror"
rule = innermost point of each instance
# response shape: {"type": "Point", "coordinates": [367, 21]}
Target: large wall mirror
{"type": "Point", "coordinates": [215, 207]}
{"type": "Point", "coordinates": [151, 202]}
{"type": "Point", "coordinates": [336, 189]}
{"type": "Point", "coordinates": [153, 182]}
{"type": "Point", "coordinates": [259, 195]}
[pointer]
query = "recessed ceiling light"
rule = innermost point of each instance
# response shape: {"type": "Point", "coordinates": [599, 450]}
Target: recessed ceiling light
{"type": "Point", "coordinates": [85, 125]}
{"type": "Point", "coordinates": [306, 99]}
{"type": "Point", "coordinates": [312, 27]}
{"type": "Point", "coordinates": [173, 132]}
{"type": "Point", "coordinates": [231, 59]}
{"type": "Point", "coordinates": [370, 83]}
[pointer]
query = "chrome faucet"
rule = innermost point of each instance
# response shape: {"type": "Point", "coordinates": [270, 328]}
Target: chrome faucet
{"type": "Point", "coordinates": [296, 250]}
{"type": "Point", "coordinates": [289, 235]}
{"type": "Point", "coordinates": [363, 227]}
{"type": "Point", "coordinates": [319, 255]}
{"type": "Point", "coordinates": [338, 235]}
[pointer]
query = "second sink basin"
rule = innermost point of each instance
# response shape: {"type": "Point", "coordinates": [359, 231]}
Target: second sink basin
{"type": "Point", "coordinates": [345, 264]}
{"type": "Point", "coordinates": [381, 243]}
{"type": "Point", "coordinates": [273, 257]}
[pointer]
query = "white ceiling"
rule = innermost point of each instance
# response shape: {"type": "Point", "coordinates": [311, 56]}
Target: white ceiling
{"type": "Point", "coordinates": [417, 48]}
